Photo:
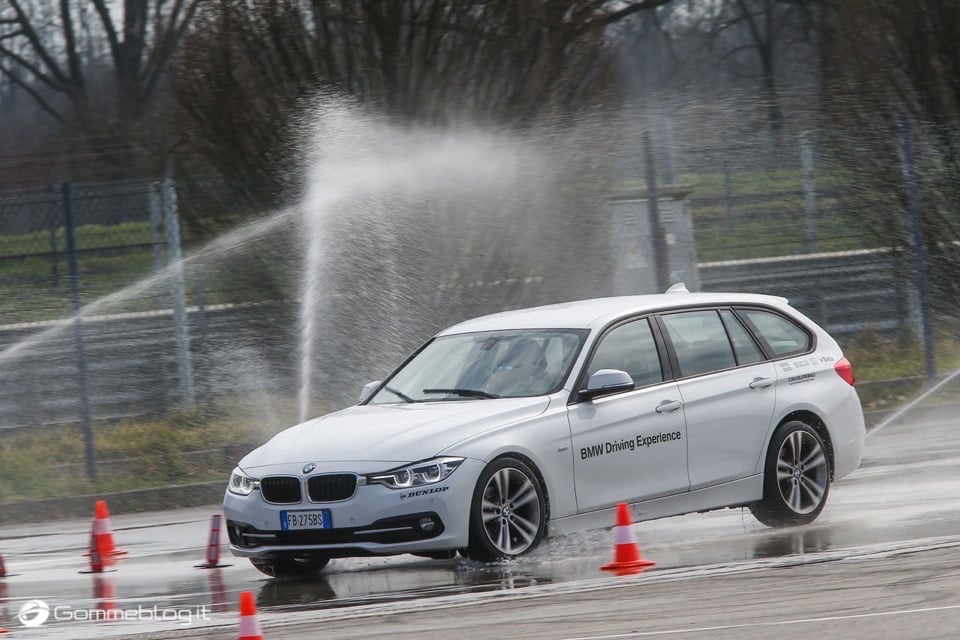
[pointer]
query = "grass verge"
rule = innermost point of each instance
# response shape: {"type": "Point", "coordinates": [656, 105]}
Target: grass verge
{"type": "Point", "coordinates": [50, 461]}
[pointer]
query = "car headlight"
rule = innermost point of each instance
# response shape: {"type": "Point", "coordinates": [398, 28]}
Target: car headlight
{"type": "Point", "coordinates": [416, 474]}
{"type": "Point", "coordinates": [242, 484]}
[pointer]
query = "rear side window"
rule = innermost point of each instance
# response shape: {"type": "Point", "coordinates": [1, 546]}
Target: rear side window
{"type": "Point", "coordinates": [743, 344]}
{"type": "Point", "coordinates": [783, 336]}
{"type": "Point", "coordinates": [700, 342]}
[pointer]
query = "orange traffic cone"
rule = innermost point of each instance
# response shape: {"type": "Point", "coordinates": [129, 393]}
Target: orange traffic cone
{"type": "Point", "coordinates": [249, 627]}
{"type": "Point", "coordinates": [626, 554]}
{"type": "Point", "coordinates": [213, 545]}
{"type": "Point", "coordinates": [3, 569]}
{"type": "Point", "coordinates": [104, 532]}
{"type": "Point", "coordinates": [95, 552]}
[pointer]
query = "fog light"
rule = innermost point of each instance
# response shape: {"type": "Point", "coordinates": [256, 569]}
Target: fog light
{"type": "Point", "coordinates": [426, 524]}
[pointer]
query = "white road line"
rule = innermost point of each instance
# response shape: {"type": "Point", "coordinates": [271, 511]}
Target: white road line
{"type": "Point", "coordinates": [778, 623]}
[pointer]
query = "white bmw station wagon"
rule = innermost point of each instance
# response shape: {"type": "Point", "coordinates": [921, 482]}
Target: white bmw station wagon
{"type": "Point", "coordinates": [503, 427]}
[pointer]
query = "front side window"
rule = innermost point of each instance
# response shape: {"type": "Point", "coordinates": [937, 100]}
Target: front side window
{"type": "Point", "coordinates": [631, 348]}
{"type": "Point", "coordinates": [492, 364]}
{"type": "Point", "coordinates": [783, 335]}
{"type": "Point", "coordinates": [700, 342]}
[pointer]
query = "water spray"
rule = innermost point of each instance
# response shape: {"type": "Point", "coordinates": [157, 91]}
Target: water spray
{"type": "Point", "coordinates": [896, 415]}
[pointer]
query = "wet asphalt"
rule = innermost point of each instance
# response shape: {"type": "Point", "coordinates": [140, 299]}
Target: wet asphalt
{"type": "Point", "coordinates": [882, 560]}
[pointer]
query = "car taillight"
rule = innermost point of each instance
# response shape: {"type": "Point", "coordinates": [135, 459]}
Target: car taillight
{"type": "Point", "coordinates": [845, 370]}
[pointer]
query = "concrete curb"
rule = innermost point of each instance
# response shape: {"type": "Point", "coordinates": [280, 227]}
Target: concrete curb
{"type": "Point", "coordinates": [133, 501]}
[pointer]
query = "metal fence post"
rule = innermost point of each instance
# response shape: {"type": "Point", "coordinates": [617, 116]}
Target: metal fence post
{"type": "Point", "coordinates": [53, 224]}
{"type": "Point", "coordinates": [661, 268]}
{"type": "Point", "coordinates": [171, 222]}
{"type": "Point", "coordinates": [156, 223]}
{"type": "Point", "coordinates": [86, 421]}
{"type": "Point", "coordinates": [809, 192]}
{"type": "Point", "coordinates": [669, 174]}
{"type": "Point", "coordinates": [727, 188]}
{"type": "Point", "coordinates": [919, 245]}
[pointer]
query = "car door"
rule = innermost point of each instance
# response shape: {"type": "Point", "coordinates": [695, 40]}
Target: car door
{"type": "Point", "coordinates": [728, 392]}
{"type": "Point", "coordinates": [631, 445]}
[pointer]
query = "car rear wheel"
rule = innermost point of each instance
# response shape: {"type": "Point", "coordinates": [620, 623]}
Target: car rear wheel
{"type": "Point", "coordinates": [508, 515]}
{"type": "Point", "coordinates": [796, 478]}
{"type": "Point", "coordinates": [290, 567]}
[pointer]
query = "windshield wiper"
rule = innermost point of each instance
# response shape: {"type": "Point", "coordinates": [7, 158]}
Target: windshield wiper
{"type": "Point", "coordinates": [467, 393]}
{"type": "Point", "coordinates": [399, 394]}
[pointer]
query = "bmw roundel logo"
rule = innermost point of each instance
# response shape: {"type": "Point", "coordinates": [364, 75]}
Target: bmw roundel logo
{"type": "Point", "coordinates": [309, 467]}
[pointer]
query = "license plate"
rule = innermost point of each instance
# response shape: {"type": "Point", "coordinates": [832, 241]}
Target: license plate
{"type": "Point", "coordinates": [295, 520]}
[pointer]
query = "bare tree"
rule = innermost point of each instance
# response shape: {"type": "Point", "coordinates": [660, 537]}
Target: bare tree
{"type": "Point", "coordinates": [763, 31]}
{"type": "Point", "coordinates": [54, 52]}
{"type": "Point", "coordinates": [249, 65]}
{"type": "Point", "coordinates": [884, 63]}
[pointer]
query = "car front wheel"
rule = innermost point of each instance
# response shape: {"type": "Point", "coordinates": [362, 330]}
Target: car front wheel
{"type": "Point", "coordinates": [796, 479]}
{"type": "Point", "coordinates": [290, 567]}
{"type": "Point", "coordinates": [508, 515]}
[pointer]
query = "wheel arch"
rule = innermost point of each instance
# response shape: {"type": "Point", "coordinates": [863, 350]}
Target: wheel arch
{"type": "Point", "coordinates": [817, 424]}
{"type": "Point", "coordinates": [527, 460]}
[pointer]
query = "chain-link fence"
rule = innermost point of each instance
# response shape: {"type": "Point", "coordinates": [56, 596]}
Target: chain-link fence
{"type": "Point", "coordinates": [122, 362]}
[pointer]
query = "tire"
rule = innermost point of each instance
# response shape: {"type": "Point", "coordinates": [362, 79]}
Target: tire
{"type": "Point", "coordinates": [508, 513]}
{"type": "Point", "coordinates": [290, 567]}
{"type": "Point", "coordinates": [796, 478]}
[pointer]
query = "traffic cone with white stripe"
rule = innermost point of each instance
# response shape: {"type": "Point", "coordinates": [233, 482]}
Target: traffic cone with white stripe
{"type": "Point", "coordinates": [104, 533]}
{"type": "Point", "coordinates": [626, 554]}
{"type": "Point", "coordinates": [213, 545]}
{"type": "Point", "coordinates": [95, 552]}
{"type": "Point", "coordinates": [249, 627]}
{"type": "Point", "coordinates": [3, 570]}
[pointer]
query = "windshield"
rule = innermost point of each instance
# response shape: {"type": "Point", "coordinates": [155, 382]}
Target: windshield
{"type": "Point", "coordinates": [494, 364]}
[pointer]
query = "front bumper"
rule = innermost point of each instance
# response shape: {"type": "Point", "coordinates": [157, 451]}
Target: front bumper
{"type": "Point", "coordinates": [343, 542]}
{"type": "Point", "coordinates": [377, 520]}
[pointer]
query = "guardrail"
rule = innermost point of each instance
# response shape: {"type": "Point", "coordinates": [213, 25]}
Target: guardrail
{"type": "Point", "coordinates": [845, 291]}
{"type": "Point", "coordinates": [133, 359]}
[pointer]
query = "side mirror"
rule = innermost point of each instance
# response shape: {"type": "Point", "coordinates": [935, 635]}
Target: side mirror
{"type": "Point", "coordinates": [368, 390]}
{"type": "Point", "coordinates": [606, 382]}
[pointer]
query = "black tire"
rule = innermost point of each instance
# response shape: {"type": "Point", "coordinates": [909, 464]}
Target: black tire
{"type": "Point", "coordinates": [796, 477]}
{"type": "Point", "coordinates": [290, 567]}
{"type": "Point", "coordinates": [508, 513]}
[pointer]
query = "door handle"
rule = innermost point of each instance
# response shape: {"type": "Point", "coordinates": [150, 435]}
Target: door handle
{"type": "Point", "coordinates": [667, 406]}
{"type": "Point", "coordinates": [761, 383]}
